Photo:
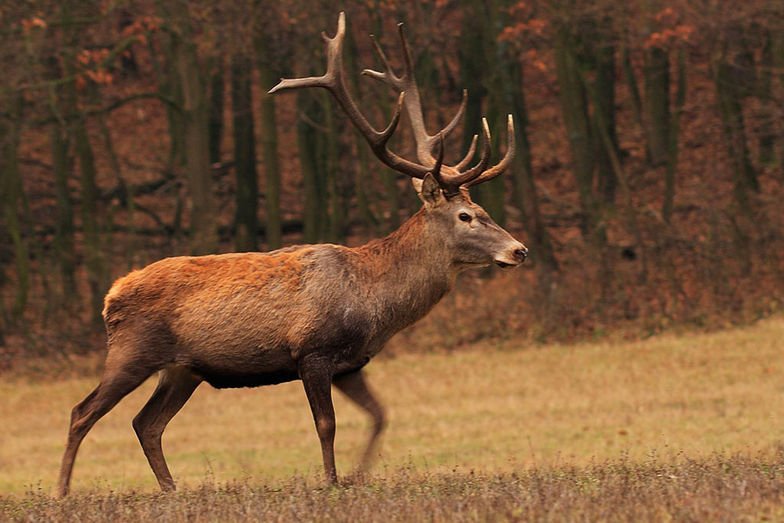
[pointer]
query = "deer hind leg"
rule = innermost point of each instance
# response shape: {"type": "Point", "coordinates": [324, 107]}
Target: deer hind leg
{"type": "Point", "coordinates": [355, 388]}
{"type": "Point", "coordinates": [175, 387]}
{"type": "Point", "coordinates": [118, 380]}
{"type": "Point", "coordinates": [316, 376]}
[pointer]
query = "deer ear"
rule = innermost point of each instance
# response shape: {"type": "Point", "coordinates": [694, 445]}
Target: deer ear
{"type": "Point", "coordinates": [429, 191]}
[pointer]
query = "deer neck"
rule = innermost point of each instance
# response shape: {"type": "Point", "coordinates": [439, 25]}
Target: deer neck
{"type": "Point", "coordinates": [410, 269]}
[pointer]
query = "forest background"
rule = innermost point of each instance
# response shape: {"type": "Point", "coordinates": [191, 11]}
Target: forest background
{"type": "Point", "coordinates": [647, 184]}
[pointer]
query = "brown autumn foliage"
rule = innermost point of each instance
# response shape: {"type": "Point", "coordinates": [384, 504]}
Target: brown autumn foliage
{"type": "Point", "coordinates": [96, 179]}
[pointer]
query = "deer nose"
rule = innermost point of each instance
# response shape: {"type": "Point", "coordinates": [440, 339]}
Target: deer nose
{"type": "Point", "coordinates": [521, 254]}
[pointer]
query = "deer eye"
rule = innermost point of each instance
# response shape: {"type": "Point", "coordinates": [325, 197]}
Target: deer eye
{"type": "Point", "coordinates": [464, 217]}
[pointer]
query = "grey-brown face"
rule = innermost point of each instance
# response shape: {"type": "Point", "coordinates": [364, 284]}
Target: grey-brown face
{"type": "Point", "coordinates": [475, 239]}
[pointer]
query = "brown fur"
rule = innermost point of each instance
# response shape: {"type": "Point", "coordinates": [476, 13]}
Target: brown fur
{"type": "Point", "coordinates": [317, 313]}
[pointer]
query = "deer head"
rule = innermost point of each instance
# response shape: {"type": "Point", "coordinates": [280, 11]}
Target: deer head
{"type": "Point", "coordinates": [469, 234]}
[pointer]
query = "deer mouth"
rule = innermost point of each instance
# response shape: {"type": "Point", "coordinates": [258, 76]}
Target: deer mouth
{"type": "Point", "coordinates": [512, 259]}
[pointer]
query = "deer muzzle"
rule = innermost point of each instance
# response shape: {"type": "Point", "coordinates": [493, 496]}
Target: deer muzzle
{"type": "Point", "coordinates": [513, 256]}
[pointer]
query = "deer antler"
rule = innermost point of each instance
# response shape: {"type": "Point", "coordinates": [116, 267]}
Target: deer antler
{"type": "Point", "coordinates": [334, 82]}
{"type": "Point", "coordinates": [501, 166]}
{"type": "Point", "coordinates": [407, 84]}
{"type": "Point", "coordinates": [450, 178]}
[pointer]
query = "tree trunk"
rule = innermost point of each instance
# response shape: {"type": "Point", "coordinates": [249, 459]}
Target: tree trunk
{"type": "Point", "coordinates": [62, 165]}
{"type": "Point", "coordinates": [493, 193]}
{"type": "Point", "coordinates": [767, 129]}
{"type": "Point", "coordinates": [64, 226]}
{"type": "Point", "coordinates": [777, 89]}
{"type": "Point", "coordinates": [247, 192]}
{"type": "Point", "coordinates": [97, 275]}
{"type": "Point", "coordinates": [307, 146]}
{"type": "Point", "coordinates": [657, 104]}
{"type": "Point", "coordinates": [195, 122]}
{"type": "Point", "coordinates": [634, 89]}
{"type": "Point", "coordinates": [610, 150]}
{"type": "Point", "coordinates": [216, 111]}
{"type": "Point", "coordinates": [604, 85]}
{"type": "Point", "coordinates": [730, 104]}
{"type": "Point", "coordinates": [169, 86]}
{"type": "Point", "coordinates": [269, 146]}
{"type": "Point", "coordinates": [337, 212]}
{"type": "Point", "coordinates": [574, 109]}
{"type": "Point", "coordinates": [674, 137]}
{"type": "Point", "coordinates": [12, 197]}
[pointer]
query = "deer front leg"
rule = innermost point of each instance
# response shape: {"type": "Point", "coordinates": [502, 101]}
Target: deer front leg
{"type": "Point", "coordinates": [316, 376]}
{"type": "Point", "coordinates": [356, 389]}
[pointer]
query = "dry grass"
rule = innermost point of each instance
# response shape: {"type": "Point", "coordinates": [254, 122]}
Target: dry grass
{"type": "Point", "coordinates": [718, 489]}
{"type": "Point", "coordinates": [676, 421]}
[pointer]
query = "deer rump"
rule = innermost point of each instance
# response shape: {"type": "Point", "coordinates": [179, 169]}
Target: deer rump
{"type": "Point", "coordinates": [243, 320]}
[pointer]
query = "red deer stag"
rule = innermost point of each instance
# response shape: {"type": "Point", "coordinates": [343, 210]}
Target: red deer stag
{"type": "Point", "coordinates": [316, 313]}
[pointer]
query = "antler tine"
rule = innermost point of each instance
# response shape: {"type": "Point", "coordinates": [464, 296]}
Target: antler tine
{"type": "Point", "coordinates": [387, 133]}
{"type": "Point", "coordinates": [389, 77]}
{"type": "Point", "coordinates": [452, 125]}
{"type": "Point", "coordinates": [462, 164]}
{"type": "Point", "coordinates": [407, 82]}
{"type": "Point", "coordinates": [462, 178]}
{"type": "Point", "coordinates": [501, 166]}
{"type": "Point", "coordinates": [333, 81]}
{"type": "Point", "coordinates": [439, 162]}
{"type": "Point", "coordinates": [408, 61]}
{"type": "Point", "coordinates": [484, 156]}
{"type": "Point", "coordinates": [330, 79]}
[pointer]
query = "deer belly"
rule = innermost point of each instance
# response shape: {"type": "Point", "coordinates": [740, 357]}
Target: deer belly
{"type": "Point", "coordinates": [234, 380]}
{"type": "Point", "coordinates": [249, 368]}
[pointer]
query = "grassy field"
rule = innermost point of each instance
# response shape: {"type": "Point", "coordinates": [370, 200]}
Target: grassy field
{"type": "Point", "coordinates": [495, 430]}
